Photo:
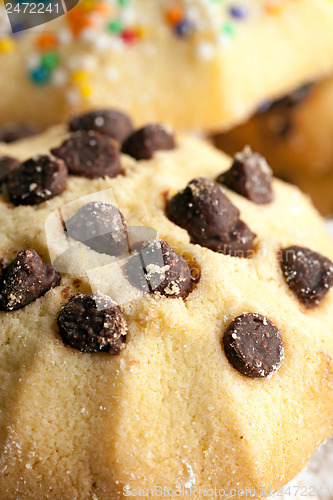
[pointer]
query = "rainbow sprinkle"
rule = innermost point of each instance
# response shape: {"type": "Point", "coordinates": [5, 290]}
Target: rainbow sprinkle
{"type": "Point", "coordinates": [40, 75]}
{"type": "Point", "coordinates": [7, 45]}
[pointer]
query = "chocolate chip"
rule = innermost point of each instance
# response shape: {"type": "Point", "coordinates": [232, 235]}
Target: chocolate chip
{"type": "Point", "coordinates": [7, 165]}
{"type": "Point", "coordinates": [89, 154]}
{"type": "Point", "coordinates": [93, 323]}
{"type": "Point", "coordinates": [249, 176]}
{"type": "Point", "coordinates": [101, 226]}
{"type": "Point", "coordinates": [253, 345]}
{"type": "Point", "coordinates": [108, 122]}
{"type": "Point", "coordinates": [143, 143]}
{"type": "Point", "coordinates": [210, 218]}
{"type": "Point", "coordinates": [308, 274]}
{"type": "Point", "coordinates": [26, 279]}
{"type": "Point", "coordinates": [15, 131]}
{"type": "Point", "coordinates": [157, 268]}
{"type": "Point", "coordinates": [37, 180]}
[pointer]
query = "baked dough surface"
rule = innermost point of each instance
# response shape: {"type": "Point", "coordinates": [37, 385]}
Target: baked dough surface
{"type": "Point", "coordinates": [169, 411]}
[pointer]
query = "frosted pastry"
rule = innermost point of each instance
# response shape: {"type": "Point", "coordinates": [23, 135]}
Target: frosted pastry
{"type": "Point", "coordinates": [193, 64]}
{"type": "Point", "coordinates": [158, 328]}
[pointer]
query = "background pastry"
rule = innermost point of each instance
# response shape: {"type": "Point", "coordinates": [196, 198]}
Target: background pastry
{"type": "Point", "coordinates": [182, 62]}
{"type": "Point", "coordinates": [294, 133]}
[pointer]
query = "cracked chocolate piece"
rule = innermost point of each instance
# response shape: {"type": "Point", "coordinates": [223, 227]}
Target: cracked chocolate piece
{"type": "Point", "coordinates": [93, 323]}
{"type": "Point", "coordinates": [100, 226]}
{"type": "Point", "coordinates": [26, 279]}
{"type": "Point", "coordinates": [89, 154]}
{"type": "Point", "coordinates": [253, 345]}
{"type": "Point", "coordinates": [7, 165]}
{"type": "Point", "coordinates": [143, 143]}
{"type": "Point", "coordinates": [108, 122]}
{"type": "Point", "coordinates": [293, 99]}
{"type": "Point", "coordinates": [15, 131]}
{"type": "Point", "coordinates": [249, 176]}
{"type": "Point", "coordinates": [36, 180]}
{"type": "Point", "coordinates": [308, 274]}
{"type": "Point", "coordinates": [157, 268]}
{"type": "Point", "coordinates": [211, 220]}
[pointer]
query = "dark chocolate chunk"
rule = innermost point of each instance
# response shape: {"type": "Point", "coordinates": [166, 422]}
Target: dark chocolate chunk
{"type": "Point", "coordinates": [37, 180]}
{"type": "Point", "coordinates": [93, 323]}
{"type": "Point", "coordinates": [279, 116]}
{"type": "Point", "coordinates": [143, 143]}
{"type": "Point", "coordinates": [253, 345]}
{"type": "Point", "coordinates": [308, 274]}
{"type": "Point", "coordinates": [7, 165]}
{"type": "Point", "coordinates": [211, 220]}
{"type": "Point", "coordinates": [15, 131]}
{"type": "Point", "coordinates": [108, 122]}
{"type": "Point", "coordinates": [293, 99]}
{"type": "Point", "coordinates": [157, 268]}
{"type": "Point", "coordinates": [100, 226]}
{"type": "Point", "coordinates": [249, 176]}
{"type": "Point", "coordinates": [26, 279]}
{"type": "Point", "coordinates": [89, 154]}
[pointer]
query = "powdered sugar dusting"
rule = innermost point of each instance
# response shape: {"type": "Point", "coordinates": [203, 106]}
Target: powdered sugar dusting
{"type": "Point", "coordinates": [191, 480]}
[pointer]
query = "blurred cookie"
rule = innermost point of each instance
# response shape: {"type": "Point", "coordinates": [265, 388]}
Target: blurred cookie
{"type": "Point", "coordinates": [294, 134]}
{"type": "Point", "coordinates": [182, 61]}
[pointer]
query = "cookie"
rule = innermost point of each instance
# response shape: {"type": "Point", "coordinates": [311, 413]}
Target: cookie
{"type": "Point", "coordinates": [187, 61]}
{"type": "Point", "coordinates": [294, 134]}
{"type": "Point", "coordinates": [133, 372]}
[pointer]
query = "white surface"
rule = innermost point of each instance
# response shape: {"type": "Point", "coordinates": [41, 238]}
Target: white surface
{"type": "Point", "coordinates": [319, 473]}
